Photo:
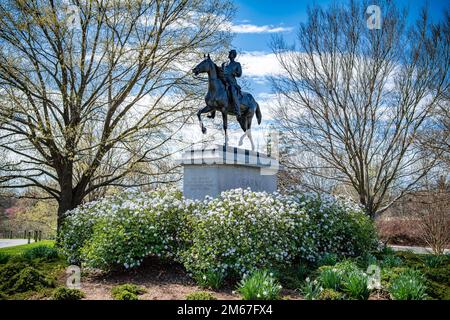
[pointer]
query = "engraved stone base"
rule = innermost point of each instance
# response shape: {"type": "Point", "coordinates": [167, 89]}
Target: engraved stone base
{"type": "Point", "coordinates": [208, 172]}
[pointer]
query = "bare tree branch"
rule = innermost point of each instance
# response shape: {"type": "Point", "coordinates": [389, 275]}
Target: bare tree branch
{"type": "Point", "coordinates": [356, 99]}
{"type": "Point", "coordinates": [93, 105]}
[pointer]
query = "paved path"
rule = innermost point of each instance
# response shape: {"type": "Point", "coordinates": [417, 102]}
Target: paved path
{"type": "Point", "coordinates": [418, 250]}
{"type": "Point", "coordinates": [4, 243]}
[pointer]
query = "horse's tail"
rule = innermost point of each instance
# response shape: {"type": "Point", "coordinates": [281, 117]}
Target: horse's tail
{"type": "Point", "coordinates": [258, 113]}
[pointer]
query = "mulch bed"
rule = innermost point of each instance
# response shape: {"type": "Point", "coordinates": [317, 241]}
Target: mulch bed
{"type": "Point", "coordinates": [161, 280]}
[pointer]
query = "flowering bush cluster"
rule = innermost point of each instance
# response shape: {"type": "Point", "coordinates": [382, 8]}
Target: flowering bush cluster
{"type": "Point", "coordinates": [233, 235]}
{"type": "Point", "coordinates": [240, 232]}
{"type": "Point", "coordinates": [333, 226]}
{"type": "Point", "coordinates": [124, 229]}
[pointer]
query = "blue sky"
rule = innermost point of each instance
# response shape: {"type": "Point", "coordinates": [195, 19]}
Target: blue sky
{"type": "Point", "coordinates": [256, 21]}
{"type": "Point", "coordinates": [289, 13]}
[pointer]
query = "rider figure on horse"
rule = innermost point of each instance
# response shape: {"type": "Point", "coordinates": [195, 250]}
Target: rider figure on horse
{"type": "Point", "coordinates": [225, 96]}
{"type": "Point", "coordinates": [231, 71]}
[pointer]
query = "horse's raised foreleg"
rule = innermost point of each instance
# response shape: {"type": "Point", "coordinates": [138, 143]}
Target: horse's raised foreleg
{"type": "Point", "coordinates": [212, 115]}
{"type": "Point", "coordinates": [247, 124]}
{"type": "Point", "coordinates": [249, 130]}
{"type": "Point", "coordinates": [243, 124]}
{"type": "Point", "coordinates": [241, 140]}
{"type": "Point", "coordinates": [199, 116]}
{"type": "Point", "coordinates": [249, 134]}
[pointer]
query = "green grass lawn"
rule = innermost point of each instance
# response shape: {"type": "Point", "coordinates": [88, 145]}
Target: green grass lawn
{"type": "Point", "coordinates": [52, 270]}
{"type": "Point", "coordinates": [20, 249]}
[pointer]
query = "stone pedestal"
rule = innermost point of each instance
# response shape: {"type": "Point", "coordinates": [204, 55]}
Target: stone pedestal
{"type": "Point", "coordinates": [209, 171]}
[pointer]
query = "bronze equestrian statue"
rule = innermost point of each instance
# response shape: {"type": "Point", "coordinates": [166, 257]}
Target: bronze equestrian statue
{"type": "Point", "coordinates": [231, 71]}
{"type": "Point", "coordinates": [224, 95]}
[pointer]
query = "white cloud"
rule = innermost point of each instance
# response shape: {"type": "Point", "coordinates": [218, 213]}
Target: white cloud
{"type": "Point", "coordinates": [191, 20]}
{"type": "Point", "coordinates": [251, 28]}
{"type": "Point", "coordinates": [260, 64]}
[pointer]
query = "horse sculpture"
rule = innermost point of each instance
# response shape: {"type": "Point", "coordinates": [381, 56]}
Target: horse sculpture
{"type": "Point", "coordinates": [217, 100]}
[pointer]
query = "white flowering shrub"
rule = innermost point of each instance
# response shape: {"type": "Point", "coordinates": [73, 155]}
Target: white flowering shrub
{"type": "Point", "coordinates": [240, 232]}
{"type": "Point", "coordinates": [124, 229]}
{"type": "Point", "coordinates": [333, 226]}
{"type": "Point", "coordinates": [233, 235]}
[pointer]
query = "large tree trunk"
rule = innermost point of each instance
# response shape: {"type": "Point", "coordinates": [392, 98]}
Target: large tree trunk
{"type": "Point", "coordinates": [67, 200]}
{"type": "Point", "coordinates": [63, 207]}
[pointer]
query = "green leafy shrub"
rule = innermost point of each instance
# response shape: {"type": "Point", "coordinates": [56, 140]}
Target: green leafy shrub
{"type": "Point", "coordinates": [346, 266]}
{"type": "Point", "coordinates": [41, 252]}
{"type": "Point", "coordinates": [436, 272]}
{"type": "Point", "coordinates": [18, 277]}
{"type": "Point", "coordinates": [355, 285]}
{"type": "Point", "coordinates": [438, 290]}
{"type": "Point", "coordinates": [388, 275]}
{"type": "Point", "coordinates": [4, 258]}
{"type": "Point", "coordinates": [410, 259]}
{"type": "Point", "coordinates": [29, 279]}
{"type": "Point", "coordinates": [63, 293]}
{"type": "Point", "coordinates": [366, 260]}
{"type": "Point", "coordinates": [438, 281]}
{"type": "Point", "coordinates": [391, 261]}
{"type": "Point", "coordinates": [124, 229]}
{"type": "Point", "coordinates": [125, 295]}
{"type": "Point", "coordinates": [293, 276]}
{"type": "Point", "coordinates": [409, 285]}
{"type": "Point", "coordinates": [209, 279]}
{"type": "Point", "coordinates": [434, 261]}
{"type": "Point", "coordinates": [8, 271]}
{"type": "Point", "coordinates": [260, 285]}
{"type": "Point", "coordinates": [330, 294]}
{"type": "Point", "coordinates": [331, 278]}
{"type": "Point", "coordinates": [311, 289]}
{"type": "Point", "coordinates": [19, 258]}
{"type": "Point", "coordinates": [127, 292]}
{"type": "Point", "coordinates": [328, 259]}
{"type": "Point", "coordinates": [388, 251]}
{"type": "Point", "coordinates": [200, 296]}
